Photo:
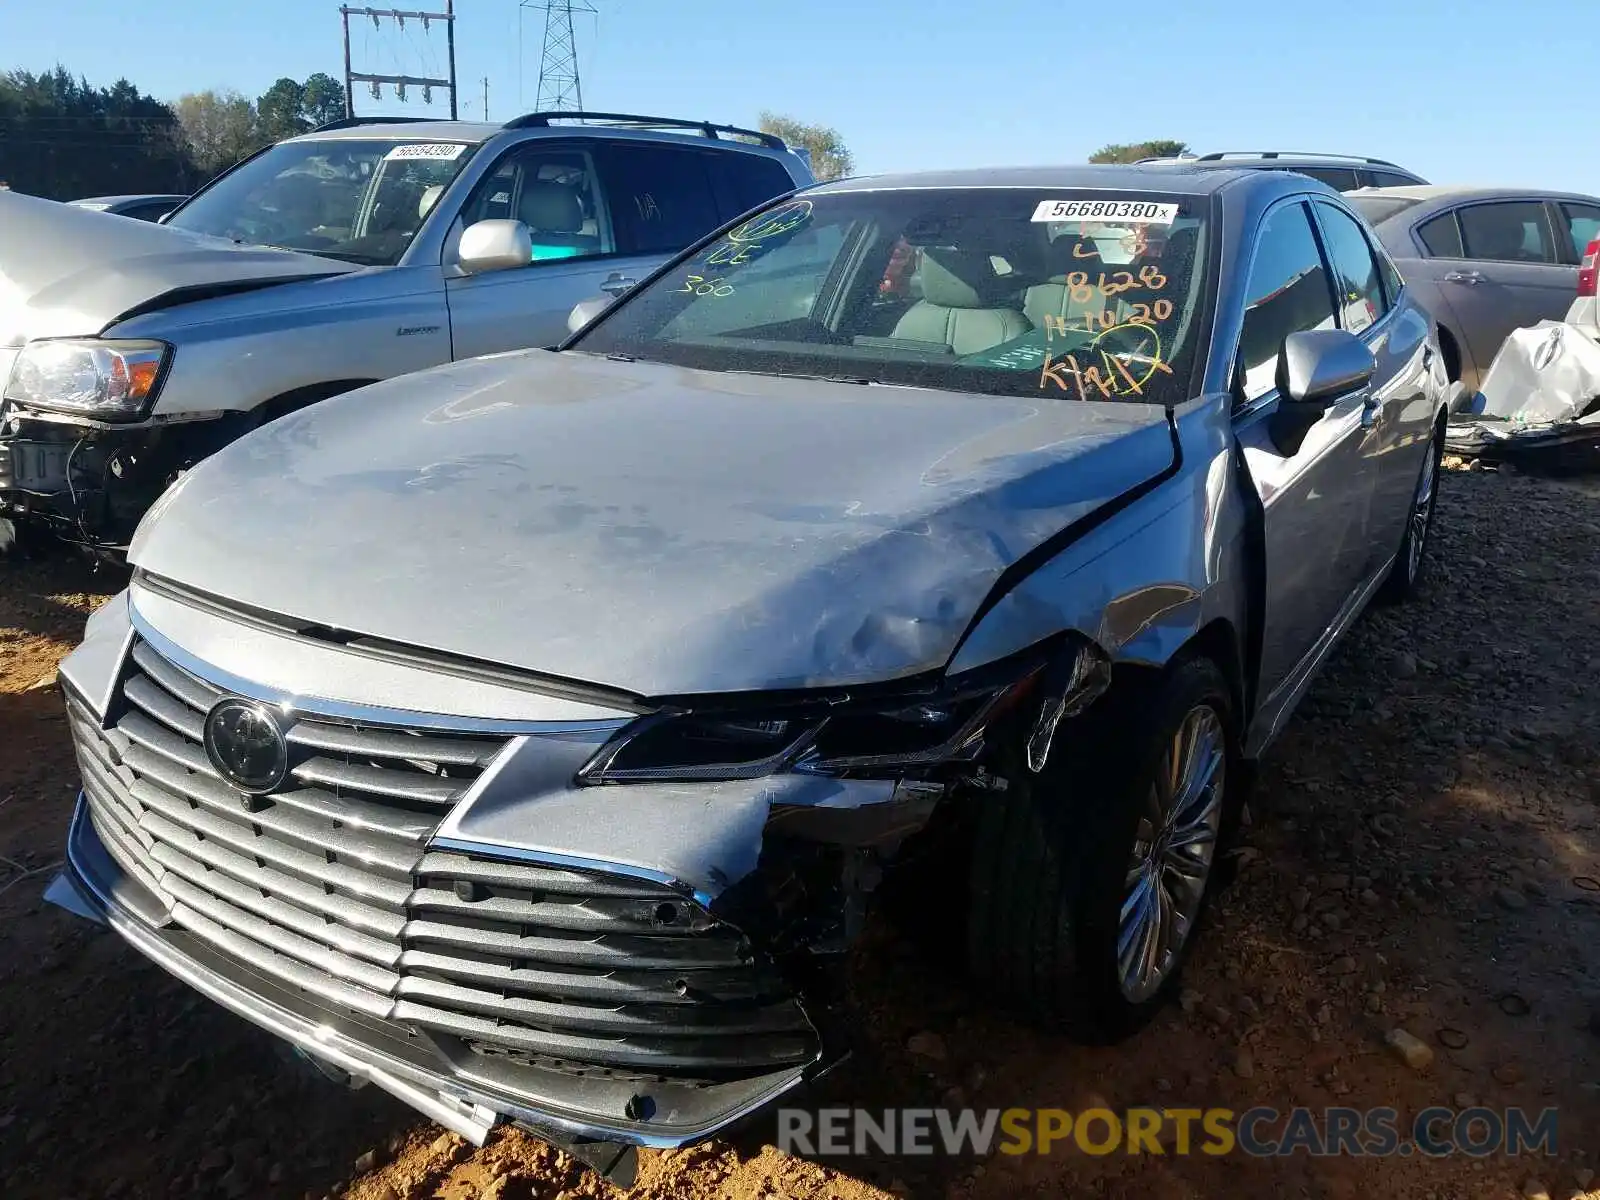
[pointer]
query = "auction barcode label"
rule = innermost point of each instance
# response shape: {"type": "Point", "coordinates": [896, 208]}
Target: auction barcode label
{"type": "Point", "coordinates": [1144, 212]}
{"type": "Point", "coordinates": [445, 150]}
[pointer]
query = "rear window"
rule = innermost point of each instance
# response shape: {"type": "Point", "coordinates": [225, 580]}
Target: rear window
{"type": "Point", "coordinates": [1049, 294]}
{"type": "Point", "coordinates": [1378, 209]}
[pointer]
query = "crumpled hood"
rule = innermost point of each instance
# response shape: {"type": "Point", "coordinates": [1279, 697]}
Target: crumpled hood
{"type": "Point", "coordinates": [71, 272]}
{"type": "Point", "coordinates": [645, 527]}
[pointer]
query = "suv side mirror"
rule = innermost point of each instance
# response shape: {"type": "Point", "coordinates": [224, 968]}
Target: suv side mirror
{"type": "Point", "coordinates": [494, 245]}
{"type": "Point", "coordinates": [1315, 368]}
{"type": "Point", "coordinates": [585, 311]}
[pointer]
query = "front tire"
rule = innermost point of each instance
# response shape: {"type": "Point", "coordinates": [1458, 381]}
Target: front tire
{"type": "Point", "coordinates": [1406, 574]}
{"type": "Point", "coordinates": [1089, 879]}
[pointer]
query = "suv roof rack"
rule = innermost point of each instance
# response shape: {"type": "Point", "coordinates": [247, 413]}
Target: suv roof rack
{"type": "Point", "coordinates": [352, 122]}
{"type": "Point", "coordinates": [1217, 155]}
{"type": "Point", "coordinates": [542, 120]}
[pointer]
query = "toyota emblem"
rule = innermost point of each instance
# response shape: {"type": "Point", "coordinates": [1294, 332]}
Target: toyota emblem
{"type": "Point", "coordinates": [245, 743]}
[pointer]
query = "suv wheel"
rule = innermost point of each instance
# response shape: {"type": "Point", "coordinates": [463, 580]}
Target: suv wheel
{"type": "Point", "coordinates": [1089, 879]}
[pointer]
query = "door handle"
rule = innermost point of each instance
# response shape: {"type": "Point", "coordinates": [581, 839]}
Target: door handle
{"type": "Point", "coordinates": [1473, 277]}
{"type": "Point", "coordinates": [1371, 407]}
{"type": "Point", "coordinates": [616, 284]}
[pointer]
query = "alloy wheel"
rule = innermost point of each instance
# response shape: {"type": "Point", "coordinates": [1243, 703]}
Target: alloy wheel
{"type": "Point", "coordinates": [1173, 849]}
{"type": "Point", "coordinates": [1421, 514]}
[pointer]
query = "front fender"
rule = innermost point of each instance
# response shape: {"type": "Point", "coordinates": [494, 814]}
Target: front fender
{"type": "Point", "coordinates": [1145, 581]}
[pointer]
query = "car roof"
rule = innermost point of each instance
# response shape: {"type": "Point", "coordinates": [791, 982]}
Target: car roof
{"type": "Point", "coordinates": [1436, 191]}
{"type": "Point", "coordinates": [407, 131]}
{"type": "Point", "coordinates": [1180, 179]}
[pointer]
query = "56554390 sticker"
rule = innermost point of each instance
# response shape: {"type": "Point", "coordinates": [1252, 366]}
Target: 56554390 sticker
{"type": "Point", "coordinates": [1143, 212]}
{"type": "Point", "coordinates": [447, 151]}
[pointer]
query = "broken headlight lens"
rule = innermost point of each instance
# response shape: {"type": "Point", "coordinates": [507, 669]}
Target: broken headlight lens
{"type": "Point", "coordinates": [846, 736]}
{"type": "Point", "coordinates": [112, 380]}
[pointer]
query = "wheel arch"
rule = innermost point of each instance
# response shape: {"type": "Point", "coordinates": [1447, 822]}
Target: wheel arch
{"type": "Point", "coordinates": [285, 403]}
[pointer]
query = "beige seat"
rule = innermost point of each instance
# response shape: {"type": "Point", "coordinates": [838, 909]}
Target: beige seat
{"type": "Point", "coordinates": [960, 303]}
{"type": "Point", "coordinates": [1053, 298]}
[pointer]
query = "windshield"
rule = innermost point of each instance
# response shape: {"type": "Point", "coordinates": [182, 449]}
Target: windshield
{"type": "Point", "coordinates": [1378, 209]}
{"type": "Point", "coordinates": [360, 201]}
{"type": "Point", "coordinates": [1069, 295]}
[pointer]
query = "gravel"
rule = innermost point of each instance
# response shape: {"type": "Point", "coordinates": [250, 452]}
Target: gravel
{"type": "Point", "coordinates": [1446, 752]}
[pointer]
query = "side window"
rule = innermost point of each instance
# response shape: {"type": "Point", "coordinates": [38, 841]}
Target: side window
{"type": "Point", "coordinates": [555, 192]}
{"type": "Point", "coordinates": [661, 196]}
{"type": "Point", "coordinates": [1441, 236]}
{"type": "Point", "coordinates": [1361, 301]}
{"type": "Point", "coordinates": [1390, 179]}
{"type": "Point", "coordinates": [1510, 232]}
{"type": "Point", "coordinates": [1287, 293]}
{"type": "Point", "coordinates": [1340, 179]}
{"type": "Point", "coordinates": [742, 181]}
{"type": "Point", "coordinates": [1583, 226]}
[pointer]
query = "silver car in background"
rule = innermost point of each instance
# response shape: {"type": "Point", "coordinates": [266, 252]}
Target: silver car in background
{"type": "Point", "coordinates": [129, 351]}
{"type": "Point", "coordinates": [1483, 261]}
{"type": "Point", "coordinates": [529, 735]}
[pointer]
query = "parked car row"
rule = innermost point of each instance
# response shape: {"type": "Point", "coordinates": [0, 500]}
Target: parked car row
{"type": "Point", "coordinates": [327, 261]}
{"type": "Point", "coordinates": [528, 735]}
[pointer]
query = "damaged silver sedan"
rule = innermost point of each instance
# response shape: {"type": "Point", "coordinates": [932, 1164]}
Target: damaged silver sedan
{"type": "Point", "coordinates": [528, 736]}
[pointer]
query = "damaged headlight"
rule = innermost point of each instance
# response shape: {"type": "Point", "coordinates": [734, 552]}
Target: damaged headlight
{"type": "Point", "coordinates": [853, 735]}
{"type": "Point", "coordinates": [113, 380]}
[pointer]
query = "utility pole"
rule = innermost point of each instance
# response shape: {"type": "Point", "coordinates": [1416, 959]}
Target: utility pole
{"type": "Point", "coordinates": [400, 82]}
{"type": "Point", "coordinates": [485, 97]}
{"type": "Point", "coordinates": [560, 88]}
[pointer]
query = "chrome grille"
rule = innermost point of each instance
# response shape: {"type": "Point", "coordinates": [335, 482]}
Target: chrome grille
{"type": "Point", "coordinates": [329, 886]}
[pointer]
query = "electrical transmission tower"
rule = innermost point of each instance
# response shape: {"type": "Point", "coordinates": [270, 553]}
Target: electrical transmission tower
{"type": "Point", "coordinates": [560, 89]}
{"type": "Point", "coordinates": [399, 82]}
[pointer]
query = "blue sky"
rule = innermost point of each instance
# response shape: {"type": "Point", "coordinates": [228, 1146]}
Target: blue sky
{"type": "Point", "coordinates": [1457, 90]}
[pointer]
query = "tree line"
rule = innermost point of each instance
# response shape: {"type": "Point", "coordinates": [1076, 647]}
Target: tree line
{"type": "Point", "coordinates": [64, 139]}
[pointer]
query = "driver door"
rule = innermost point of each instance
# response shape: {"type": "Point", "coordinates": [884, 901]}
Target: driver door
{"type": "Point", "coordinates": [1316, 495]}
{"type": "Point", "coordinates": [555, 190]}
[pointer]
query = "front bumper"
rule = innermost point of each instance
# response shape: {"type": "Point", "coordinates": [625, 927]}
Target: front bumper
{"type": "Point", "coordinates": [448, 1086]}
{"type": "Point", "coordinates": [89, 482]}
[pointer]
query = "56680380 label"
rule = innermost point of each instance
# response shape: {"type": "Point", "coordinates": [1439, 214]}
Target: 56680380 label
{"type": "Point", "coordinates": [1143, 212]}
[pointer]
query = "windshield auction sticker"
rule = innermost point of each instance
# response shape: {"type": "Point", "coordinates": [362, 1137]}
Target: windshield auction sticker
{"type": "Point", "coordinates": [1144, 212]}
{"type": "Point", "coordinates": [447, 151]}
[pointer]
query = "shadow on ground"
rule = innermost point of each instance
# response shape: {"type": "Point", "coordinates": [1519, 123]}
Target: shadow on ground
{"type": "Point", "coordinates": [1416, 857]}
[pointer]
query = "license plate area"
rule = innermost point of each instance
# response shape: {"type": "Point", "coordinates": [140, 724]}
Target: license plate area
{"type": "Point", "coordinates": [39, 466]}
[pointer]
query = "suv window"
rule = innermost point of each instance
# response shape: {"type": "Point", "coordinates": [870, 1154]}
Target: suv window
{"type": "Point", "coordinates": [360, 200]}
{"type": "Point", "coordinates": [1583, 226]}
{"type": "Point", "coordinates": [1361, 300]}
{"type": "Point", "coordinates": [661, 196]}
{"type": "Point", "coordinates": [1442, 236]}
{"type": "Point", "coordinates": [1288, 292]}
{"type": "Point", "coordinates": [1512, 231]}
{"type": "Point", "coordinates": [1390, 179]}
{"type": "Point", "coordinates": [745, 181]}
{"type": "Point", "coordinates": [552, 190]}
{"type": "Point", "coordinates": [1340, 179]}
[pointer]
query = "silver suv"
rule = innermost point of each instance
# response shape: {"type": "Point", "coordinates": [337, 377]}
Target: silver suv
{"type": "Point", "coordinates": [363, 250]}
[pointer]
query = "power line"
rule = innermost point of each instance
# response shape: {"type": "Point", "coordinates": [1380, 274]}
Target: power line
{"type": "Point", "coordinates": [560, 87]}
{"type": "Point", "coordinates": [400, 81]}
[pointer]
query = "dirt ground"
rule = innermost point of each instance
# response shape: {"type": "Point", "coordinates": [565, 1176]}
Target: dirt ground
{"type": "Point", "coordinates": [1423, 854]}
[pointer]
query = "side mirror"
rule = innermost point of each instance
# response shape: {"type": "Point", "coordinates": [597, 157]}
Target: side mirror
{"type": "Point", "coordinates": [585, 311]}
{"type": "Point", "coordinates": [1315, 368]}
{"type": "Point", "coordinates": [1318, 366]}
{"type": "Point", "coordinates": [494, 245]}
